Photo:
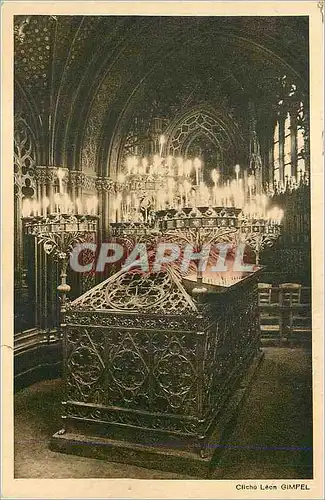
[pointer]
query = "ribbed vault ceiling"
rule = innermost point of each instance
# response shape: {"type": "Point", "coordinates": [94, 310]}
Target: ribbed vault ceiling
{"type": "Point", "coordinates": [84, 78]}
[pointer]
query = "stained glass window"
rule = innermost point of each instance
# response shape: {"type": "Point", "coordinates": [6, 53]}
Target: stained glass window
{"type": "Point", "coordinates": [292, 126]}
{"type": "Point", "coordinates": [287, 147]}
{"type": "Point", "coordinates": [300, 145]}
{"type": "Point", "coordinates": [276, 153]}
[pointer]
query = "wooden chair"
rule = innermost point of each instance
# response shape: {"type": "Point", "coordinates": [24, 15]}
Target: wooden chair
{"type": "Point", "coordinates": [290, 294]}
{"type": "Point", "coordinates": [270, 318]}
{"type": "Point", "coordinates": [296, 315]}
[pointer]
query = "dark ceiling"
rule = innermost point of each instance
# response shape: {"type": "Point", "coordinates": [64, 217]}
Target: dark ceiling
{"type": "Point", "coordinates": [81, 80]}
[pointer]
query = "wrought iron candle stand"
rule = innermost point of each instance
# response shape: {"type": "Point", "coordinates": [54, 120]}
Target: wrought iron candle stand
{"type": "Point", "coordinates": [199, 227]}
{"type": "Point", "coordinates": [59, 233]}
{"type": "Point", "coordinates": [259, 234]}
{"type": "Point", "coordinates": [202, 226]}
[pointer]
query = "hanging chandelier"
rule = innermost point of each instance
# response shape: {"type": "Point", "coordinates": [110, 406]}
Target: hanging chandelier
{"type": "Point", "coordinates": [168, 194]}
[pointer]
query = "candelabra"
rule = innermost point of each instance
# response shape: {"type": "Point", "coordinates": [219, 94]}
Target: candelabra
{"type": "Point", "coordinates": [258, 232]}
{"type": "Point", "coordinates": [59, 223]}
{"type": "Point", "coordinates": [167, 197]}
{"type": "Point", "coordinates": [290, 184]}
{"type": "Point", "coordinates": [155, 183]}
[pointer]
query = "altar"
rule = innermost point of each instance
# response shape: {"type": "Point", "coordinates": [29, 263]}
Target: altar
{"type": "Point", "coordinates": [155, 367]}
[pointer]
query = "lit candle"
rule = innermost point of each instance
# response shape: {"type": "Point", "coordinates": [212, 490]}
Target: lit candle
{"type": "Point", "coordinates": [45, 204]}
{"type": "Point", "coordinates": [222, 196]}
{"type": "Point", "coordinates": [188, 167]}
{"type": "Point", "coordinates": [57, 202]}
{"type": "Point", "coordinates": [78, 206]}
{"type": "Point", "coordinates": [129, 164]}
{"type": "Point", "coordinates": [60, 174]}
{"type": "Point", "coordinates": [121, 178]}
{"type": "Point", "coordinates": [93, 203]}
{"type": "Point", "coordinates": [237, 170]}
{"type": "Point", "coordinates": [141, 169]}
{"type": "Point", "coordinates": [161, 199]}
{"type": "Point", "coordinates": [65, 201]}
{"type": "Point", "coordinates": [128, 203]}
{"type": "Point", "coordinates": [234, 191]}
{"type": "Point", "coordinates": [118, 205]}
{"type": "Point", "coordinates": [170, 161]}
{"type": "Point", "coordinates": [187, 188]}
{"type": "Point", "coordinates": [180, 165]}
{"type": "Point", "coordinates": [264, 203]}
{"type": "Point", "coordinates": [162, 141]}
{"type": "Point", "coordinates": [227, 194]}
{"type": "Point", "coordinates": [250, 182]}
{"type": "Point", "coordinates": [144, 165]}
{"type": "Point", "coordinates": [26, 208]}
{"type": "Point", "coordinates": [204, 195]}
{"type": "Point", "coordinates": [181, 193]}
{"type": "Point", "coordinates": [215, 178]}
{"type": "Point", "coordinates": [134, 169]}
{"type": "Point", "coordinates": [241, 194]}
{"type": "Point", "coordinates": [197, 165]}
{"type": "Point", "coordinates": [35, 207]}
{"type": "Point", "coordinates": [156, 165]}
{"type": "Point", "coordinates": [170, 187]}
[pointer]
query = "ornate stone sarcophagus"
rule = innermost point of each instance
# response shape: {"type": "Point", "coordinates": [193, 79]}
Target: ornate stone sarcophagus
{"type": "Point", "coordinates": [151, 367]}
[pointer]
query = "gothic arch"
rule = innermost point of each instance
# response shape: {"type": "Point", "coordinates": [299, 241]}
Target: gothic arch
{"type": "Point", "coordinates": [199, 121]}
{"type": "Point", "coordinates": [106, 153]}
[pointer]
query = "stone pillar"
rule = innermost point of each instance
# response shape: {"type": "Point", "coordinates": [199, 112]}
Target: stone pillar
{"type": "Point", "coordinates": [107, 187]}
{"type": "Point", "coordinates": [293, 131]}
{"type": "Point", "coordinates": [281, 149]}
{"type": "Point", "coordinates": [76, 183]}
{"type": "Point", "coordinates": [307, 144]}
{"type": "Point", "coordinates": [271, 161]}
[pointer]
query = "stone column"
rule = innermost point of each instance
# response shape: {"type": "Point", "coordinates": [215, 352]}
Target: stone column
{"type": "Point", "coordinates": [107, 188]}
{"type": "Point", "coordinates": [281, 149]}
{"type": "Point", "coordinates": [293, 132]}
{"type": "Point", "coordinates": [76, 183]}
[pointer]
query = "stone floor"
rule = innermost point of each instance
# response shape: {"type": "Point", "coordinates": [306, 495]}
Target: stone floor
{"type": "Point", "coordinates": [272, 438]}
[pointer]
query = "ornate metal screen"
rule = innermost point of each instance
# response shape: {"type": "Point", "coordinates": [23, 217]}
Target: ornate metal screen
{"type": "Point", "coordinates": [146, 363]}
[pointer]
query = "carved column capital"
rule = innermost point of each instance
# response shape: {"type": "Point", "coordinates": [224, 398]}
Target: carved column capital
{"type": "Point", "coordinates": [77, 178]}
{"type": "Point", "coordinates": [40, 174]}
{"type": "Point", "coordinates": [105, 184]}
{"type": "Point", "coordinates": [89, 183]}
{"type": "Point", "coordinates": [45, 175]}
{"type": "Point", "coordinates": [49, 175]}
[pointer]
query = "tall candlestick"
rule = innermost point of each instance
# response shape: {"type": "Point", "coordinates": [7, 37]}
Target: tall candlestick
{"type": "Point", "coordinates": [78, 206]}
{"type": "Point", "coordinates": [56, 203]}
{"type": "Point", "coordinates": [179, 162]}
{"type": "Point", "coordinates": [250, 185]}
{"type": "Point", "coordinates": [197, 165]}
{"type": "Point", "coordinates": [161, 143]}
{"type": "Point", "coordinates": [215, 195]}
{"type": "Point", "coordinates": [60, 175]}
{"type": "Point", "coordinates": [26, 208]}
{"type": "Point", "coordinates": [237, 170]}
{"type": "Point", "coordinates": [181, 192]}
{"type": "Point", "coordinates": [45, 204]}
